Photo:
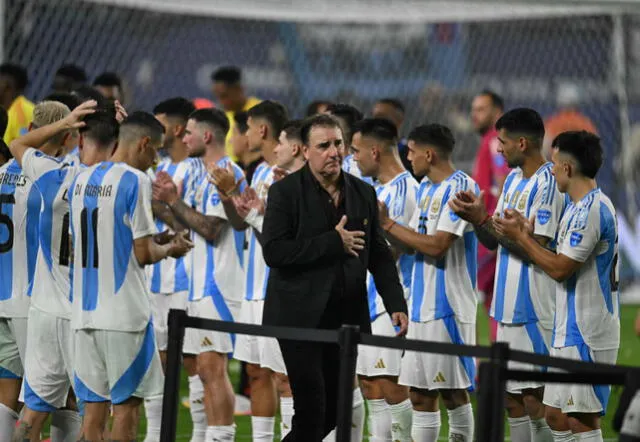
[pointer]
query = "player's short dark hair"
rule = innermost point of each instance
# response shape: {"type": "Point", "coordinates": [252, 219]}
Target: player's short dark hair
{"type": "Point", "coordinates": [4, 120]}
{"type": "Point", "coordinates": [17, 73]}
{"type": "Point", "coordinates": [584, 147]}
{"type": "Point", "coordinates": [436, 135]}
{"type": "Point", "coordinates": [143, 124]}
{"type": "Point", "coordinates": [109, 79]}
{"type": "Point", "coordinates": [273, 112]}
{"type": "Point", "coordinates": [72, 71]}
{"type": "Point", "coordinates": [292, 130]}
{"type": "Point", "coordinates": [102, 126]}
{"type": "Point", "coordinates": [70, 100]}
{"type": "Point", "coordinates": [496, 100]}
{"type": "Point", "coordinates": [523, 121]}
{"type": "Point", "coordinates": [84, 93]}
{"type": "Point", "coordinates": [350, 114]}
{"type": "Point", "coordinates": [320, 120]}
{"type": "Point", "coordinates": [393, 102]}
{"type": "Point", "coordinates": [381, 129]}
{"type": "Point", "coordinates": [229, 75]}
{"type": "Point", "coordinates": [177, 107]}
{"type": "Point", "coordinates": [314, 106]}
{"type": "Point", "coordinates": [214, 118]}
{"type": "Point", "coordinates": [240, 119]}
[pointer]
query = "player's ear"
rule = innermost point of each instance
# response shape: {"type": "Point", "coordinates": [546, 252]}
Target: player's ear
{"type": "Point", "coordinates": [264, 131]}
{"type": "Point", "coordinates": [207, 136]}
{"type": "Point", "coordinates": [178, 130]}
{"type": "Point", "coordinates": [296, 149]}
{"type": "Point", "coordinates": [305, 151]}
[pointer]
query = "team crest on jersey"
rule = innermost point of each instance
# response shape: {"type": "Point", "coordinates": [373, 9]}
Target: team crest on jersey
{"type": "Point", "coordinates": [544, 216]}
{"type": "Point", "coordinates": [435, 207]}
{"type": "Point", "coordinates": [262, 190]}
{"type": "Point", "coordinates": [523, 201]}
{"type": "Point", "coordinates": [425, 203]}
{"type": "Point", "coordinates": [514, 198]}
{"type": "Point", "coordinates": [215, 199]}
{"type": "Point", "coordinates": [575, 239]}
{"type": "Point", "coordinates": [453, 216]}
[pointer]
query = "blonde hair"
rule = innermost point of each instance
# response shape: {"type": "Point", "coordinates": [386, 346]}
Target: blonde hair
{"type": "Point", "coordinates": [49, 112]}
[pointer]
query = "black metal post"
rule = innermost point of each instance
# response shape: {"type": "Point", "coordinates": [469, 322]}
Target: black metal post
{"type": "Point", "coordinates": [177, 319]}
{"type": "Point", "coordinates": [499, 359]}
{"type": "Point", "coordinates": [485, 401]}
{"type": "Point", "coordinates": [348, 338]}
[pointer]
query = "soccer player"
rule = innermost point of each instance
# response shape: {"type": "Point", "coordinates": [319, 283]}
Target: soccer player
{"type": "Point", "coordinates": [348, 116]}
{"type": "Point", "coordinates": [249, 158]}
{"type": "Point", "coordinates": [170, 277]}
{"type": "Point", "coordinates": [523, 297]}
{"type": "Point", "coordinates": [216, 265]}
{"type": "Point", "coordinates": [585, 266]}
{"type": "Point", "coordinates": [228, 89]}
{"type": "Point", "coordinates": [375, 150]}
{"type": "Point", "coordinates": [113, 231]}
{"type": "Point", "coordinates": [489, 171]}
{"type": "Point", "coordinates": [109, 85]}
{"type": "Point", "coordinates": [393, 110]}
{"type": "Point", "coordinates": [19, 219]}
{"type": "Point", "coordinates": [317, 107]}
{"type": "Point", "coordinates": [265, 122]}
{"type": "Point", "coordinates": [13, 82]}
{"type": "Point", "coordinates": [443, 303]}
{"type": "Point", "coordinates": [48, 360]}
{"type": "Point", "coordinates": [69, 77]}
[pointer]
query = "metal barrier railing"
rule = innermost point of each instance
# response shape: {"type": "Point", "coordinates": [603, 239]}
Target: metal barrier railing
{"type": "Point", "coordinates": [493, 373]}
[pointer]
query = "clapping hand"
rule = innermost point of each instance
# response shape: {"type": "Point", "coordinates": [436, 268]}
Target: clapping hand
{"type": "Point", "coordinates": [469, 206]}
{"type": "Point", "coordinates": [513, 225]}
{"type": "Point", "coordinates": [225, 181]}
{"type": "Point", "coordinates": [164, 189]}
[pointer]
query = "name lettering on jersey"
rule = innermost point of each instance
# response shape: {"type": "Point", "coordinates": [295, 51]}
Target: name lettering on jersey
{"type": "Point", "coordinates": [13, 179]}
{"type": "Point", "coordinates": [92, 190]}
{"type": "Point", "coordinates": [65, 195]}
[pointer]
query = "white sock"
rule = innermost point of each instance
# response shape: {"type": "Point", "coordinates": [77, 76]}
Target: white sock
{"type": "Point", "coordinates": [8, 419]}
{"type": "Point", "coordinates": [153, 412]}
{"type": "Point", "coordinates": [520, 429]}
{"type": "Point", "coordinates": [461, 423]}
{"type": "Point", "coordinates": [379, 421]}
{"type": "Point", "coordinates": [331, 437]}
{"type": "Point", "coordinates": [426, 426]}
{"type": "Point", "coordinates": [540, 431]}
{"type": "Point", "coordinates": [286, 416]}
{"type": "Point", "coordinates": [196, 402]}
{"type": "Point", "coordinates": [357, 422]}
{"type": "Point", "coordinates": [563, 436]}
{"type": "Point", "coordinates": [591, 436]}
{"type": "Point", "coordinates": [401, 415]}
{"type": "Point", "coordinates": [221, 433]}
{"type": "Point", "coordinates": [65, 426]}
{"type": "Point", "coordinates": [262, 428]}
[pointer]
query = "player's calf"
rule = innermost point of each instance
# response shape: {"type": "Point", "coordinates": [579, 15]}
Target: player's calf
{"type": "Point", "coordinates": [460, 412]}
{"type": "Point", "coordinates": [94, 421]}
{"type": "Point", "coordinates": [125, 420]}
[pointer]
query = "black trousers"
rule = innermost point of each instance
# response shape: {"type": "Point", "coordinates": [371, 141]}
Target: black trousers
{"type": "Point", "coordinates": [313, 370]}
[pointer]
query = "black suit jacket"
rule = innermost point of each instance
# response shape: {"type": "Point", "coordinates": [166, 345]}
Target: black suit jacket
{"type": "Point", "coordinates": [305, 254]}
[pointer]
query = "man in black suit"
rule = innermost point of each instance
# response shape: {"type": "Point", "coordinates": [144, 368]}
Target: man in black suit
{"type": "Point", "coordinates": [320, 235]}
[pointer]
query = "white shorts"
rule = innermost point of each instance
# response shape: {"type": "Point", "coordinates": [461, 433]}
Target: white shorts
{"type": "Point", "coordinates": [115, 366]}
{"type": "Point", "coordinates": [580, 398]}
{"type": "Point", "coordinates": [13, 343]}
{"type": "Point", "coordinates": [161, 303]}
{"type": "Point", "coordinates": [430, 371]}
{"type": "Point", "coordinates": [208, 340]}
{"type": "Point", "coordinates": [248, 347]}
{"type": "Point", "coordinates": [271, 356]}
{"type": "Point", "coordinates": [48, 362]}
{"type": "Point", "coordinates": [532, 338]}
{"type": "Point", "coordinates": [379, 361]}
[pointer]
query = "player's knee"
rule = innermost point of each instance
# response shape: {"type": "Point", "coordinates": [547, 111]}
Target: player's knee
{"type": "Point", "coordinates": [423, 400]}
{"type": "Point", "coordinates": [370, 388]}
{"type": "Point", "coordinates": [514, 405]}
{"type": "Point", "coordinates": [9, 392]}
{"type": "Point", "coordinates": [454, 398]}
{"type": "Point", "coordinates": [282, 384]}
{"type": "Point", "coordinates": [583, 422]}
{"type": "Point", "coordinates": [212, 367]}
{"type": "Point", "coordinates": [532, 401]}
{"type": "Point", "coordinates": [555, 418]}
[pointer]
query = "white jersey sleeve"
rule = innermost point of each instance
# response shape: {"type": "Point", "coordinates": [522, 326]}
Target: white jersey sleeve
{"type": "Point", "coordinates": [547, 208]}
{"type": "Point", "coordinates": [449, 221]}
{"type": "Point", "coordinates": [35, 163]}
{"type": "Point", "coordinates": [140, 211]}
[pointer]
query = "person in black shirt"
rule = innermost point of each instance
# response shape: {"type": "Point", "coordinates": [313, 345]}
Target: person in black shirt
{"type": "Point", "coordinates": [320, 236]}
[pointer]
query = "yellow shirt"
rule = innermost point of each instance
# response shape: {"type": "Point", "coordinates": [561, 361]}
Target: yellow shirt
{"type": "Point", "coordinates": [251, 101]}
{"type": "Point", "coordinates": [20, 115]}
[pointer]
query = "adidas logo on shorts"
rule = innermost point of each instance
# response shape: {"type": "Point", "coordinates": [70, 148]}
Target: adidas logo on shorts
{"type": "Point", "coordinates": [380, 364]}
{"type": "Point", "coordinates": [206, 342]}
{"type": "Point", "coordinates": [439, 377]}
{"type": "Point", "coordinates": [570, 401]}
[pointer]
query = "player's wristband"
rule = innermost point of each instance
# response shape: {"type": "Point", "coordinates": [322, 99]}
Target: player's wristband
{"type": "Point", "coordinates": [388, 229]}
{"type": "Point", "coordinates": [484, 221]}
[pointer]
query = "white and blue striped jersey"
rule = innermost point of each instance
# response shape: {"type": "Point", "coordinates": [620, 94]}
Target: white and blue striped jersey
{"type": "Point", "coordinates": [587, 305]}
{"type": "Point", "coordinates": [20, 204]}
{"type": "Point", "coordinates": [73, 157]}
{"type": "Point", "coordinates": [400, 196]}
{"type": "Point", "coordinates": [110, 206]}
{"type": "Point", "coordinates": [446, 286]}
{"type": "Point", "coordinates": [217, 268]}
{"type": "Point", "coordinates": [350, 165]}
{"type": "Point", "coordinates": [51, 286]}
{"type": "Point", "coordinates": [523, 293]}
{"type": "Point", "coordinates": [172, 275]}
{"type": "Point", "coordinates": [257, 269]}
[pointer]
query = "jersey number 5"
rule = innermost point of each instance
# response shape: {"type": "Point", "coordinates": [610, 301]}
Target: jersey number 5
{"type": "Point", "coordinates": [84, 226]}
{"type": "Point", "coordinates": [6, 220]}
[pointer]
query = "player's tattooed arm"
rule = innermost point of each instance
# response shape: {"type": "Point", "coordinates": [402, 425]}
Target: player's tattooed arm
{"type": "Point", "coordinates": [209, 227]}
{"type": "Point", "coordinates": [488, 236]}
{"type": "Point", "coordinates": [164, 213]}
